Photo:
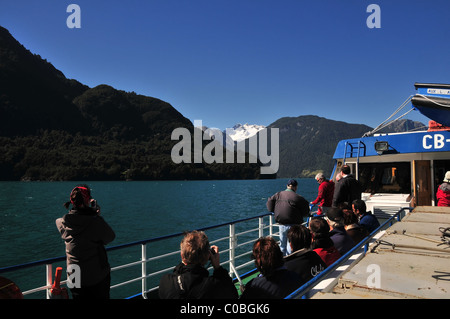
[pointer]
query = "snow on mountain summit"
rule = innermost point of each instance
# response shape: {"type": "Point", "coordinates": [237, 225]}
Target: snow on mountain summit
{"type": "Point", "coordinates": [241, 132]}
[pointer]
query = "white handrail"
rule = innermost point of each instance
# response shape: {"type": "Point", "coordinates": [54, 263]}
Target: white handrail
{"type": "Point", "coordinates": [235, 243]}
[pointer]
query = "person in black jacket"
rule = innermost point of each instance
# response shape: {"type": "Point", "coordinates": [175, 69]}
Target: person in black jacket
{"type": "Point", "coordinates": [85, 234]}
{"type": "Point", "coordinates": [190, 279]}
{"type": "Point", "coordinates": [342, 241]}
{"type": "Point", "coordinates": [303, 260]}
{"type": "Point", "coordinates": [275, 281]}
{"type": "Point", "coordinates": [289, 208]}
{"type": "Point", "coordinates": [347, 189]}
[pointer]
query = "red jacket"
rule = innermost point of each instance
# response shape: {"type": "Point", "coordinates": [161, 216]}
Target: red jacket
{"type": "Point", "coordinates": [443, 195]}
{"type": "Point", "coordinates": [329, 255]}
{"type": "Point", "coordinates": [325, 195]}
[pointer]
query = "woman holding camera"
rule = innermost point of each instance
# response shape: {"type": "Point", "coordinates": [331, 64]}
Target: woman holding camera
{"type": "Point", "coordinates": [190, 279]}
{"type": "Point", "coordinates": [85, 234]}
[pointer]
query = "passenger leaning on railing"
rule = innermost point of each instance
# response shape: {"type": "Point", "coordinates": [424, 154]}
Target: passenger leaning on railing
{"type": "Point", "coordinates": [190, 279]}
{"type": "Point", "coordinates": [86, 233]}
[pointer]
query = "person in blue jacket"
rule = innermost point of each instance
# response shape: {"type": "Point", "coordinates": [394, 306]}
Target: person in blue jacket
{"type": "Point", "coordinates": [366, 219]}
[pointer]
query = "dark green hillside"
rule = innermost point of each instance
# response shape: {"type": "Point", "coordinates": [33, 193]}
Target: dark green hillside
{"type": "Point", "coordinates": [54, 128]}
{"type": "Point", "coordinates": [307, 143]}
{"type": "Point", "coordinates": [33, 94]}
{"type": "Point", "coordinates": [118, 114]}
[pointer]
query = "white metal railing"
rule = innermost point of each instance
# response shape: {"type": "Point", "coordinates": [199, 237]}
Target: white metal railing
{"type": "Point", "coordinates": [237, 239]}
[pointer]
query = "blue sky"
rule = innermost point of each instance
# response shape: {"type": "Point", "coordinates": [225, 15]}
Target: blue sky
{"type": "Point", "coordinates": [246, 61]}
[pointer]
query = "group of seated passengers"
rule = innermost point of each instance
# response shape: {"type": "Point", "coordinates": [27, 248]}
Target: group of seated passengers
{"type": "Point", "coordinates": [314, 248]}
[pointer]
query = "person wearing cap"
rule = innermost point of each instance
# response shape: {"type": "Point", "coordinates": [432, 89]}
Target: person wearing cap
{"type": "Point", "coordinates": [325, 193]}
{"type": "Point", "coordinates": [443, 192]}
{"type": "Point", "coordinates": [289, 208]}
{"type": "Point", "coordinates": [342, 241]}
{"type": "Point", "coordinates": [85, 234]}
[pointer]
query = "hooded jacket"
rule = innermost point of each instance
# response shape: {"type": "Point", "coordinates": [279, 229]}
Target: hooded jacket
{"type": "Point", "coordinates": [194, 282]}
{"type": "Point", "coordinates": [443, 195]}
{"type": "Point", "coordinates": [279, 285]}
{"type": "Point", "coordinates": [85, 234]}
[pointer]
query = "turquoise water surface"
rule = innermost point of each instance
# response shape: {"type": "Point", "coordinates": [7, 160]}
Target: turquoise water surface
{"type": "Point", "coordinates": [135, 210]}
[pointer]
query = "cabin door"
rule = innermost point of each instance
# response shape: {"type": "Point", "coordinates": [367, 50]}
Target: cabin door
{"type": "Point", "coordinates": [422, 182]}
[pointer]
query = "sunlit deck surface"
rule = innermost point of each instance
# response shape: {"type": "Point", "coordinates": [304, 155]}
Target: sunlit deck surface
{"type": "Point", "coordinates": [413, 260]}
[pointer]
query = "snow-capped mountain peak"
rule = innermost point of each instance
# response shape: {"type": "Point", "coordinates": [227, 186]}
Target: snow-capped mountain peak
{"type": "Point", "coordinates": [241, 132]}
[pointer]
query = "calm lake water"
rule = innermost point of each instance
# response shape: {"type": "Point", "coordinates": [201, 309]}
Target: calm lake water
{"type": "Point", "coordinates": [135, 210]}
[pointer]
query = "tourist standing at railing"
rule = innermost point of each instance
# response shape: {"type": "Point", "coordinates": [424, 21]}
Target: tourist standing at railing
{"type": "Point", "coordinates": [85, 234]}
{"type": "Point", "coordinates": [190, 279]}
{"type": "Point", "coordinates": [275, 280]}
{"type": "Point", "coordinates": [289, 208]}
{"type": "Point", "coordinates": [347, 188]}
{"type": "Point", "coordinates": [443, 192]}
{"type": "Point", "coordinates": [325, 194]}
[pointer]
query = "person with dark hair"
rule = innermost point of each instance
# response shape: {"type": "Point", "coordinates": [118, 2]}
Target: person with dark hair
{"type": "Point", "coordinates": [351, 224]}
{"type": "Point", "coordinates": [85, 234]}
{"type": "Point", "coordinates": [190, 279]}
{"type": "Point", "coordinates": [303, 260]}
{"type": "Point", "coordinates": [275, 281]}
{"type": "Point", "coordinates": [347, 189]}
{"type": "Point", "coordinates": [289, 209]}
{"type": "Point", "coordinates": [366, 219]}
{"type": "Point", "coordinates": [321, 241]}
{"type": "Point", "coordinates": [342, 241]}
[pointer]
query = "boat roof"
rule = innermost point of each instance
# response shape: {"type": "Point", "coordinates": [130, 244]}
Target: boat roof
{"type": "Point", "coordinates": [397, 143]}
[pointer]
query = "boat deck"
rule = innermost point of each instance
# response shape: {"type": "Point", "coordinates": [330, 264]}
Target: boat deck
{"type": "Point", "coordinates": [410, 260]}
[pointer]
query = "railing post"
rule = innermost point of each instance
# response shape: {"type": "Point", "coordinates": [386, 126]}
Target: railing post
{"type": "Point", "coordinates": [270, 225]}
{"type": "Point", "coordinates": [232, 244]}
{"type": "Point", "coordinates": [144, 269]}
{"type": "Point", "coordinates": [49, 273]}
{"type": "Point", "coordinates": [261, 227]}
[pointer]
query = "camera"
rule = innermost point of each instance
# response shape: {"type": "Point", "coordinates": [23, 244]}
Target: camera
{"type": "Point", "coordinates": [95, 206]}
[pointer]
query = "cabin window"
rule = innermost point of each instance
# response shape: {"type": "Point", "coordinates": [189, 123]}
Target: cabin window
{"type": "Point", "coordinates": [386, 177]}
